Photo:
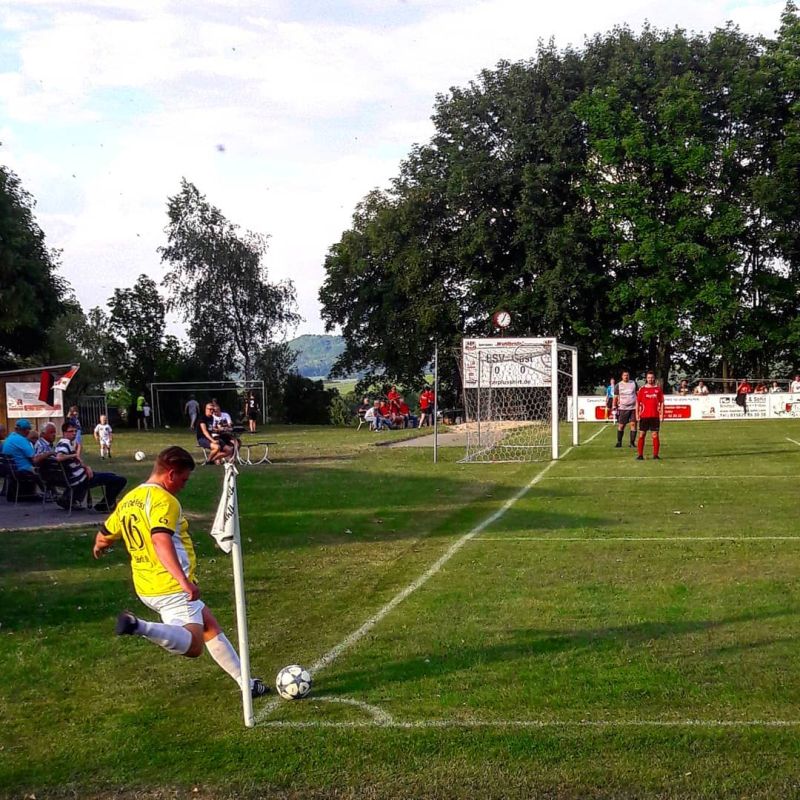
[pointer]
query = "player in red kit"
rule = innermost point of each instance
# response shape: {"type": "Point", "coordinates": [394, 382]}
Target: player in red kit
{"type": "Point", "coordinates": [650, 411]}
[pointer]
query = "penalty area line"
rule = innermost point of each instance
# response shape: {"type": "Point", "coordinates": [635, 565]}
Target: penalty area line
{"type": "Point", "coordinates": [793, 441]}
{"type": "Point", "coordinates": [358, 634]}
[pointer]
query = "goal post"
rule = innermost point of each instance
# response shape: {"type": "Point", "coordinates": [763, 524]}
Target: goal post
{"type": "Point", "coordinates": [520, 395]}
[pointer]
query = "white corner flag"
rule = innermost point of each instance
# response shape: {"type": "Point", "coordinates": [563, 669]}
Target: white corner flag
{"type": "Point", "coordinates": [225, 532]}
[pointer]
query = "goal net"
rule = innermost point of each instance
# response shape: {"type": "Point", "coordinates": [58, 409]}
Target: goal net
{"type": "Point", "coordinates": [516, 398]}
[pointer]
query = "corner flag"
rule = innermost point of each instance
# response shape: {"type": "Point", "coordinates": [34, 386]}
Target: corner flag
{"type": "Point", "coordinates": [225, 532]}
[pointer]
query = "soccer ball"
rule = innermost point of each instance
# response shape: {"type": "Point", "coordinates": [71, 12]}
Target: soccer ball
{"type": "Point", "coordinates": [293, 682]}
{"type": "Point", "coordinates": [139, 455]}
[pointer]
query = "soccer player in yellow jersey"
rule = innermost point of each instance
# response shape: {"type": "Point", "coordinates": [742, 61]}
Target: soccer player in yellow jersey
{"type": "Point", "coordinates": [150, 522]}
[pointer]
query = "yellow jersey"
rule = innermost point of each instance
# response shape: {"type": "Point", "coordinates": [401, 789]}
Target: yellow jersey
{"type": "Point", "coordinates": [146, 510]}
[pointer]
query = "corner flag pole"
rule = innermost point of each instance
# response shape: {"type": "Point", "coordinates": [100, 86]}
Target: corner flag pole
{"type": "Point", "coordinates": [225, 531]}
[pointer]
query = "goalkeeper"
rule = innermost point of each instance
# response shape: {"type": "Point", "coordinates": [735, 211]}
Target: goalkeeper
{"type": "Point", "coordinates": [150, 521]}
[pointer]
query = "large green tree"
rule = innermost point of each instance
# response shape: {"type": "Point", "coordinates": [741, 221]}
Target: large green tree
{"type": "Point", "coordinates": [217, 280]}
{"type": "Point", "coordinates": [32, 290]}
{"type": "Point", "coordinates": [636, 198]}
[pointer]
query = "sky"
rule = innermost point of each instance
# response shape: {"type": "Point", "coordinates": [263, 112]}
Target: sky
{"type": "Point", "coordinates": [283, 113]}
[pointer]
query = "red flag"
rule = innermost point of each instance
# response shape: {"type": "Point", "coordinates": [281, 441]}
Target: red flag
{"type": "Point", "coordinates": [46, 388]}
{"type": "Point", "coordinates": [63, 382]}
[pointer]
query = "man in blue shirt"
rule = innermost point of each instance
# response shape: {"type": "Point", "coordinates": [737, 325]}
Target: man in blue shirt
{"type": "Point", "coordinates": [21, 450]}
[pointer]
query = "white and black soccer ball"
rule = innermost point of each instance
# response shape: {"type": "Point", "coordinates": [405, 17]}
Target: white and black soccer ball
{"type": "Point", "coordinates": [139, 455]}
{"type": "Point", "coordinates": [293, 682]}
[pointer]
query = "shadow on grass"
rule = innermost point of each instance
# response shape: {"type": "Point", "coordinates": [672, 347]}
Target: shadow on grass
{"type": "Point", "coordinates": [533, 643]}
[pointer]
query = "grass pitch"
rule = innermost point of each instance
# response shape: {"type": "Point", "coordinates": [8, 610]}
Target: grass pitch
{"type": "Point", "coordinates": [622, 629]}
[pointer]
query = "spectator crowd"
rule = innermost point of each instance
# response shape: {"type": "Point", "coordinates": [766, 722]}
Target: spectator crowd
{"type": "Point", "coordinates": [391, 411]}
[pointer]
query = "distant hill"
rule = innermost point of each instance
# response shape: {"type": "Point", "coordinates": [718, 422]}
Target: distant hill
{"type": "Point", "coordinates": [316, 354]}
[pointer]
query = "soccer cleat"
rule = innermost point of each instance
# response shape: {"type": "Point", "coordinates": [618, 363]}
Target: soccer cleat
{"type": "Point", "coordinates": [618, 444]}
{"type": "Point", "coordinates": [657, 458]}
{"type": "Point", "coordinates": [126, 624]}
{"type": "Point", "coordinates": [640, 458]}
{"type": "Point", "coordinates": [258, 688]}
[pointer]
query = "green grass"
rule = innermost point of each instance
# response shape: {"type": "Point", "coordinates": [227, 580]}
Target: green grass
{"type": "Point", "coordinates": [600, 639]}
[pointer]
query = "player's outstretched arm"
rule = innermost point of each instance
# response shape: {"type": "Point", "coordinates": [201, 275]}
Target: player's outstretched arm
{"type": "Point", "coordinates": [101, 543]}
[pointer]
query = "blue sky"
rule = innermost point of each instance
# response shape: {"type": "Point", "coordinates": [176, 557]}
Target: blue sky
{"type": "Point", "coordinates": [106, 104]}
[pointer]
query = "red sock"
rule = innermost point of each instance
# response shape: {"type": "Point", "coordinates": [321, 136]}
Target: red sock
{"type": "Point", "coordinates": [656, 443]}
{"type": "Point", "coordinates": [640, 446]}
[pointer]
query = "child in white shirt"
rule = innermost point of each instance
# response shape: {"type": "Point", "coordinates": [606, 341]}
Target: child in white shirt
{"type": "Point", "coordinates": [104, 435]}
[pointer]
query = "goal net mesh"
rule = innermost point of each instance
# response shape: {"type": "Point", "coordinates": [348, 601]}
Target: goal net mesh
{"type": "Point", "coordinates": [508, 402]}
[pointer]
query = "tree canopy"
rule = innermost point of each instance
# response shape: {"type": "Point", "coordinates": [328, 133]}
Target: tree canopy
{"type": "Point", "coordinates": [218, 282]}
{"type": "Point", "coordinates": [635, 198]}
{"type": "Point", "coordinates": [32, 291]}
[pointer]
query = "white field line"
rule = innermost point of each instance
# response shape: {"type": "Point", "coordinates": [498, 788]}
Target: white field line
{"type": "Point", "coordinates": [660, 478]}
{"type": "Point", "coordinates": [555, 539]}
{"type": "Point", "coordinates": [793, 441]}
{"type": "Point", "coordinates": [541, 723]}
{"type": "Point", "coordinates": [358, 634]}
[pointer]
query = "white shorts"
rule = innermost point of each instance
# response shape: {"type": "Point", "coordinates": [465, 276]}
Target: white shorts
{"type": "Point", "coordinates": [176, 609]}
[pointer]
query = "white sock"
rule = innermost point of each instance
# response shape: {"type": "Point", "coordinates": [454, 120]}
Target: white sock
{"type": "Point", "coordinates": [223, 652]}
{"type": "Point", "coordinates": [173, 638]}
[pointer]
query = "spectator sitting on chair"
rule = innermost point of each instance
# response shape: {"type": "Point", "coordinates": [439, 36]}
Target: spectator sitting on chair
{"type": "Point", "coordinates": [44, 444]}
{"type": "Point", "coordinates": [761, 388]}
{"type": "Point", "coordinates": [17, 446]}
{"type": "Point", "coordinates": [224, 427]}
{"type": "Point", "coordinates": [207, 438]}
{"type": "Point", "coordinates": [409, 419]}
{"type": "Point", "coordinates": [775, 388]}
{"type": "Point", "coordinates": [377, 421]}
{"type": "Point", "coordinates": [81, 477]}
{"type": "Point", "coordinates": [701, 388]}
{"type": "Point", "coordinates": [2, 435]}
{"type": "Point", "coordinates": [363, 408]}
{"type": "Point", "coordinates": [387, 412]}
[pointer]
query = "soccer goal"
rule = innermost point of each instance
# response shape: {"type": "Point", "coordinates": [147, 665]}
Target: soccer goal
{"type": "Point", "coordinates": [168, 398]}
{"type": "Point", "coordinates": [516, 398]}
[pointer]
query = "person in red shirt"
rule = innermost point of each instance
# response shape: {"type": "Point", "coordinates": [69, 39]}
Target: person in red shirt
{"type": "Point", "coordinates": [393, 394]}
{"type": "Point", "coordinates": [404, 411]}
{"type": "Point", "coordinates": [650, 412]}
{"type": "Point", "coordinates": [426, 406]}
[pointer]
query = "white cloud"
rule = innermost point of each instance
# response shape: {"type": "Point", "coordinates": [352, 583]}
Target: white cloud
{"type": "Point", "coordinates": [315, 104]}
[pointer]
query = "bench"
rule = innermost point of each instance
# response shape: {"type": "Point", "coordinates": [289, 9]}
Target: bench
{"type": "Point", "coordinates": [247, 458]}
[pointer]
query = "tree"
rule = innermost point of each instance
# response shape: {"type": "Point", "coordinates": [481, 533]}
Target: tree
{"type": "Point", "coordinates": [136, 328]}
{"type": "Point", "coordinates": [32, 291]}
{"type": "Point", "coordinates": [218, 281]}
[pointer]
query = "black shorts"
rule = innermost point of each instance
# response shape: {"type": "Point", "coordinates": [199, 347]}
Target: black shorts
{"type": "Point", "coordinates": [203, 442]}
{"type": "Point", "coordinates": [650, 424]}
{"type": "Point", "coordinates": [609, 402]}
{"type": "Point", "coordinates": [626, 415]}
{"type": "Point", "coordinates": [252, 415]}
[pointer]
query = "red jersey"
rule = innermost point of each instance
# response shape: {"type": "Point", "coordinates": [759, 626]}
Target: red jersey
{"type": "Point", "coordinates": [393, 395]}
{"type": "Point", "coordinates": [385, 410]}
{"type": "Point", "coordinates": [403, 408]}
{"type": "Point", "coordinates": [426, 399]}
{"type": "Point", "coordinates": [649, 401]}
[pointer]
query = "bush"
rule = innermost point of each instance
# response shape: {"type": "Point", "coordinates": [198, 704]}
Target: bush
{"type": "Point", "coordinates": [307, 402]}
{"type": "Point", "coordinates": [343, 409]}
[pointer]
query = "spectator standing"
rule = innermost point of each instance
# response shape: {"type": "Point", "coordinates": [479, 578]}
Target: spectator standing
{"type": "Point", "coordinates": [427, 405]}
{"type": "Point", "coordinates": [650, 412]}
{"type": "Point", "coordinates": [252, 411]}
{"type": "Point", "coordinates": [795, 385]}
{"type": "Point", "coordinates": [140, 401]}
{"type": "Point", "coordinates": [103, 434]}
{"type": "Point", "coordinates": [74, 418]}
{"type": "Point", "coordinates": [742, 390]}
{"type": "Point", "coordinates": [610, 398]}
{"type": "Point", "coordinates": [146, 414]}
{"type": "Point", "coordinates": [192, 410]}
{"type": "Point", "coordinates": [701, 388]}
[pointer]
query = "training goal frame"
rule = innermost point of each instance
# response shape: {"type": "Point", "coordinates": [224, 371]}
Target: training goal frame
{"type": "Point", "coordinates": [194, 387]}
{"type": "Point", "coordinates": [512, 389]}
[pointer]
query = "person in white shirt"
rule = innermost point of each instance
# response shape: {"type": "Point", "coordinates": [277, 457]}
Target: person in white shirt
{"type": "Point", "coordinates": [103, 435]}
{"type": "Point", "coordinates": [795, 387]}
{"type": "Point", "coordinates": [775, 388]}
{"type": "Point", "coordinates": [701, 388]}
